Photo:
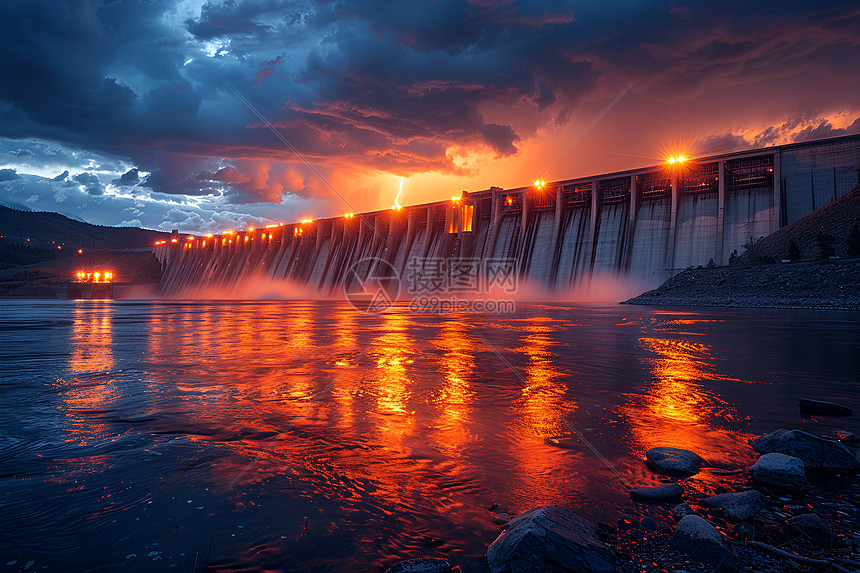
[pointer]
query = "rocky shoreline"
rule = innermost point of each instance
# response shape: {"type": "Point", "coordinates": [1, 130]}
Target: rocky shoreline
{"type": "Point", "coordinates": [769, 522]}
{"type": "Point", "coordinates": [825, 285]}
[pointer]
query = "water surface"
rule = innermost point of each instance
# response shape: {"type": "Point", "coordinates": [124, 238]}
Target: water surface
{"type": "Point", "coordinates": [295, 436]}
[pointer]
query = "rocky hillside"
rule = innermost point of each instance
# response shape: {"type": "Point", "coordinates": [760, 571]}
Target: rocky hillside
{"type": "Point", "coordinates": [832, 224]}
{"type": "Point", "coordinates": [826, 284]}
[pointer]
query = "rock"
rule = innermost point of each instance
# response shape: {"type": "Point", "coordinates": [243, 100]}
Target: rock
{"type": "Point", "coordinates": [811, 526]}
{"type": "Point", "coordinates": [738, 506]}
{"type": "Point", "coordinates": [424, 565]}
{"type": "Point", "coordinates": [780, 471]}
{"type": "Point", "coordinates": [675, 461]}
{"type": "Point", "coordinates": [814, 451]}
{"type": "Point", "coordinates": [809, 406]}
{"type": "Point", "coordinates": [501, 519]}
{"type": "Point", "coordinates": [743, 531]}
{"type": "Point", "coordinates": [680, 510]}
{"type": "Point", "coordinates": [648, 524]}
{"type": "Point", "coordinates": [549, 539]}
{"type": "Point", "coordinates": [698, 539]}
{"type": "Point", "coordinates": [660, 494]}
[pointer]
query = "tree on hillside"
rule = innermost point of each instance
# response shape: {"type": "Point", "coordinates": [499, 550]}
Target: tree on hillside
{"type": "Point", "coordinates": [794, 253]}
{"type": "Point", "coordinates": [853, 241]}
{"type": "Point", "coordinates": [825, 245]}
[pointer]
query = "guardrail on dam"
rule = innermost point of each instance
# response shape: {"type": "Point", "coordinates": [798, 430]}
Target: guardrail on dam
{"type": "Point", "coordinates": [644, 223]}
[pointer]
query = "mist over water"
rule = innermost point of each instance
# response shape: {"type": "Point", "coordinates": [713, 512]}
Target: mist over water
{"type": "Point", "coordinates": [607, 288]}
{"type": "Point", "coordinates": [307, 436]}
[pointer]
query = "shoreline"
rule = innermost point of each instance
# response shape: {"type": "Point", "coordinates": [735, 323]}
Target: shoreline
{"type": "Point", "coordinates": [816, 285]}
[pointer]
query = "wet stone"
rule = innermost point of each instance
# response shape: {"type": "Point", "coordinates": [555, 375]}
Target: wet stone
{"type": "Point", "coordinates": [680, 510]}
{"type": "Point", "coordinates": [550, 539]}
{"type": "Point", "coordinates": [670, 492]}
{"type": "Point", "coordinates": [815, 452]}
{"type": "Point", "coordinates": [423, 565]}
{"type": "Point", "coordinates": [501, 519]}
{"type": "Point", "coordinates": [780, 471]}
{"type": "Point", "coordinates": [675, 461]}
{"type": "Point", "coordinates": [698, 539]}
{"type": "Point", "coordinates": [738, 506]}
{"type": "Point", "coordinates": [811, 526]}
{"type": "Point", "coordinates": [809, 406]}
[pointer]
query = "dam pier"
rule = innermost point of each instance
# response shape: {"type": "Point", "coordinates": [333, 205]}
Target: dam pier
{"type": "Point", "coordinates": [643, 224]}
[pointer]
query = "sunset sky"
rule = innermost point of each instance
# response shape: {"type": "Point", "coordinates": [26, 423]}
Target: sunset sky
{"type": "Point", "coordinates": [124, 112]}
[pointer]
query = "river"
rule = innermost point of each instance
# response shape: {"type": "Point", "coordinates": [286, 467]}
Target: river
{"type": "Point", "coordinates": [307, 436]}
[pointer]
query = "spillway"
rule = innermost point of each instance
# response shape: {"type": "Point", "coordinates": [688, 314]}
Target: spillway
{"type": "Point", "coordinates": [644, 224]}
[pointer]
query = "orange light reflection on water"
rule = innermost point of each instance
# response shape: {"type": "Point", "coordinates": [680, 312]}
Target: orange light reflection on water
{"type": "Point", "coordinates": [680, 409]}
{"type": "Point", "coordinates": [453, 397]}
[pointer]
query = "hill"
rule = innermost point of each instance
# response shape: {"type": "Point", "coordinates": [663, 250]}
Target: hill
{"type": "Point", "coordinates": [28, 237]}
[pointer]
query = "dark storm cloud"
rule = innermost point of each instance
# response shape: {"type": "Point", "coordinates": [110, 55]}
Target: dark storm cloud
{"type": "Point", "coordinates": [364, 85]}
{"type": "Point", "coordinates": [128, 179]}
{"type": "Point", "coordinates": [8, 175]}
{"type": "Point", "coordinates": [91, 183]}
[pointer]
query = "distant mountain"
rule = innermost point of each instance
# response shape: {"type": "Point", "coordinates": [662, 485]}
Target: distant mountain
{"type": "Point", "coordinates": [47, 231]}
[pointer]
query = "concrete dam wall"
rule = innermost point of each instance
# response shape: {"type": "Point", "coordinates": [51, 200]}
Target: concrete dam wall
{"type": "Point", "coordinates": [643, 224]}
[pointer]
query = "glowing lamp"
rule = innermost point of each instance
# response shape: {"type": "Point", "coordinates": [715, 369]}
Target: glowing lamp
{"type": "Point", "coordinates": [250, 229]}
{"type": "Point", "coordinates": [307, 221]}
{"type": "Point", "coordinates": [174, 240]}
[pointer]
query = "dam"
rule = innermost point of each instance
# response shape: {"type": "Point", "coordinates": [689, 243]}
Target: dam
{"type": "Point", "coordinates": [643, 224]}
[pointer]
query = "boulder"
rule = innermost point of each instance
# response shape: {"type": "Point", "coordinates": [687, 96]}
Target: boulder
{"type": "Point", "coordinates": [814, 451]}
{"type": "Point", "coordinates": [549, 539]}
{"type": "Point", "coordinates": [780, 471]}
{"type": "Point", "coordinates": [811, 526]}
{"type": "Point", "coordinates": [501, 519]}
{"type": "Point", "coordinates": [424, 565]}
{"type": "Point", "coordinates": [738, 506]}
{"type": "Point", "coordinates": [670, 492]}
{"type": "Point", "coordinates": [675, 461]}
{"type": "Point", "coordinates": [698, 539]}
{"type": "Point", "coordinates": [808, 406]}
{"type": "Point", "coordinates": [680, 510]}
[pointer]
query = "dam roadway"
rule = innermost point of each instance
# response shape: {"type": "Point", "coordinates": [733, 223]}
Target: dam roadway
{"type": "Point", "coordinates": [643, 224]}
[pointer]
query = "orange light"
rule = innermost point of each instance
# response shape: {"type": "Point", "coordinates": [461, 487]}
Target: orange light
{"type": "Point", "coordinates": [272, 226]}
{"type": "Point", "coordinates": [540, 183]}
{"type": "Point", "coordinates": [349, 215]}
{"type": "Point", "coordinates": [246, 238]}
{"type": "Point", "coordinates": [190, 238]}
{"type": "Point", "coordinates": [250, 229]}
{"type": "Point", "coordinates": [80, 251]}
{"type": "Point", "coordinates": [455, 198]}
{"type": "Point", "coordinates": [307, 221]}
{"type": "Point", "coordinates": [228, 232]}
{"type": "Point", "coordinates": [174, 240]}
{"type": "Point", "coordinates": [396, 207]}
